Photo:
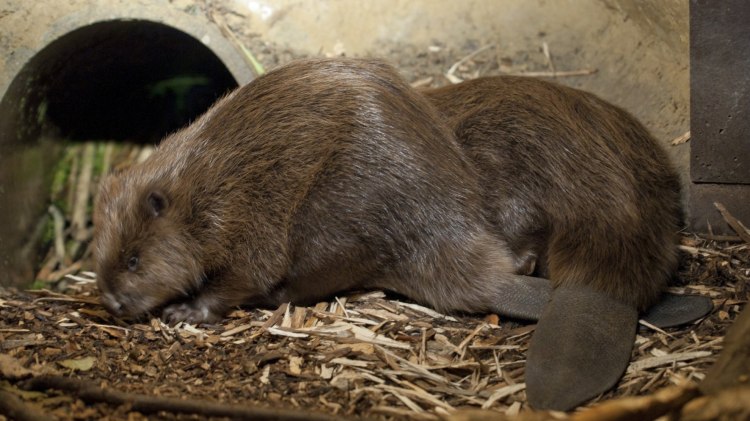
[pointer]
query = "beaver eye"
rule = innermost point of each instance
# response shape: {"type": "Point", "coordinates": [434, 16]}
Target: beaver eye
{"type": "Point", "coordinates": [133, 263]}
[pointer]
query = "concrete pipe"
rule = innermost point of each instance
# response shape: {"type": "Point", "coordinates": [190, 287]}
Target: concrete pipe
{"type": "Point", "coordinates": [87, 69]}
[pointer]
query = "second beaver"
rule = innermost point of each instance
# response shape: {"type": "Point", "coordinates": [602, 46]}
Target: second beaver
{"type": "Point", "coordinates": [584, 196]}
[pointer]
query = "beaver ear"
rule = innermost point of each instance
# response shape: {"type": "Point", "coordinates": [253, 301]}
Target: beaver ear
{"type": "Point", "coordinates": [157, 203]}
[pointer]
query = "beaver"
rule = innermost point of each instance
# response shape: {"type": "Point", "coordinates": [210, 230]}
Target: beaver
{"type": "Point", "coordinates": [318, 177]}
{"type": "Point", "coordinates": [588, 198]}
{"type": "Point", "coordinates": [572, 181]}
{"type": "Point", "coordinates": [328, 175]}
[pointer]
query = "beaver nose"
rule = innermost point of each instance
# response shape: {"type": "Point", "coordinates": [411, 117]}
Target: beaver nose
{"type": "Point", "coordinates": [112, 304]}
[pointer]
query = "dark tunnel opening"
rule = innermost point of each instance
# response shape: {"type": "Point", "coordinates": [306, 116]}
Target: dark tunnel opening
{"type": "Point", "coordinates": [131, 80]}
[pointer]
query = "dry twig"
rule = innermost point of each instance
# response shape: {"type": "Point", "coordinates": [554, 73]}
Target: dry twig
{"type": "Point", "coordinates": [89, 392]}
{"type": "Point", "coordinates": [15, 409]}
{"type": "Point", "coordinates": [451, 73]}
{"type": "Point", "coordinates": [679, 140]}
{"type": "Point", "coordinates": [734, 223]}
{"type": "Point", "coordinates": [562, 73]}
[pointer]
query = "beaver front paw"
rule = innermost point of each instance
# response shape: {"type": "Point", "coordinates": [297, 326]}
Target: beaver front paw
{"type": "Point", "coordinates": [192, 312]}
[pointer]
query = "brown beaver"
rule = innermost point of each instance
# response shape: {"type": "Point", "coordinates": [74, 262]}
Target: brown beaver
{"type": "Point", "coordinates": [583, 191]}
{"type": "Point", "coordinates": [333, 174]}
{"type": "Point", "coordinates": [318, 177]}
{"type": "Point", "coordinates": [571, 180]}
